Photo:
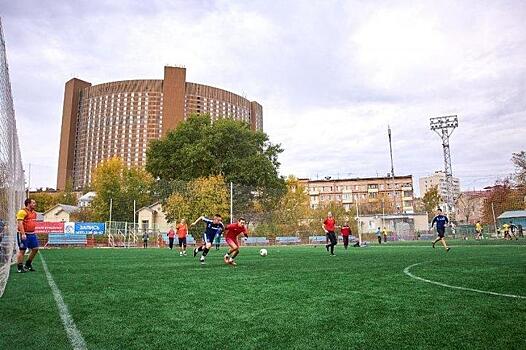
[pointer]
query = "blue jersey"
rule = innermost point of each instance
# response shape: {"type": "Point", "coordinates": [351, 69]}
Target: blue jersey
{"type": "Point", "coordinates": [212, 230]}
{"type": "Point", "coordinates": [441, 221]}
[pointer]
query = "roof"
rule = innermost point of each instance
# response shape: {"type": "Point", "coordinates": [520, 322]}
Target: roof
{"type": "Point", "coordinates": [149, 207]}
{"type": "Point", "coordinates": [88, 196]}
{"type": "Point", "coordinates": [67, 208]}
{"type": "Point", "coordinates": [513, 214]}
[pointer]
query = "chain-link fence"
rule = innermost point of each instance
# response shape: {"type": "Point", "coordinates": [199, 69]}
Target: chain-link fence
{"type": "Point", "coordinates": [11, 172]}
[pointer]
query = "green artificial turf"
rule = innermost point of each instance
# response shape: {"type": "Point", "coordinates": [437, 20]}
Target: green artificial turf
{"type": "Point", "coordinates": [295, 298]}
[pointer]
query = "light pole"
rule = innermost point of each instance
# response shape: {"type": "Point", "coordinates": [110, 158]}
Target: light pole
{"type": "Point", "coordinates": [444, 127]}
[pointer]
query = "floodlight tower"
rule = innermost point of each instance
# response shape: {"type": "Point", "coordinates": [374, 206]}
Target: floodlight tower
{"type": "Point", "coordinates": [444, 127]}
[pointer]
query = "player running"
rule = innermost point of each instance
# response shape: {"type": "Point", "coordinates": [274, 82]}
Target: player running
{"type": "Point", "coordinates": [345, 231]}
{"type": "Point", "coordinates": [182, 232]}
{"type": "Point", "coordinates": [441, 221]}
{"type": "Point", "coordinates": [232, 231]}
{"type": "Point", "coordinates": [329, 224]}
{"type": "Point", "coordinates": [213, 228]}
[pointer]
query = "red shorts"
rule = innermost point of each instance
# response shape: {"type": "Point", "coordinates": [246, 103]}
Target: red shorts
{"type": "Point", "coordinates": [230, 239]}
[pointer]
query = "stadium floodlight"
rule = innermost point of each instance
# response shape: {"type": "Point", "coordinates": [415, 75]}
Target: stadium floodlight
{"type": "Point", "coordinates": [444, 127]}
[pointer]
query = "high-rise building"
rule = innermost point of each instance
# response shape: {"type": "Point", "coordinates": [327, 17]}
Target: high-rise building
{"type": "Point", "coordinates": [439, 179]}
{"type": "Point", "coordinates": [118, 119]}
{"type": "Point", "coordinates": [348, 192]}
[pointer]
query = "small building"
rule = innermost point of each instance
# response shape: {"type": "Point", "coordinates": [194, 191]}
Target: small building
{"type": "Point", "coordinates": [86, 199]}
{"type": "Point", "coordinates": [516, 217]}
{"type": "Point", "coordinates": [153, 218]}
{"type": "Point", "coordinates": [60, 213]}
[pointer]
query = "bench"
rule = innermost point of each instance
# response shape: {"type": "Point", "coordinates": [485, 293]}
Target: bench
{"type": "Point", "coordinates": [66, 239]}
{"type": "Point", "coordinates": [288, 240]}
{"type": "Point", "coordinates": [317, 239]}
{"type": "Point", "coordinates": [256, 241]}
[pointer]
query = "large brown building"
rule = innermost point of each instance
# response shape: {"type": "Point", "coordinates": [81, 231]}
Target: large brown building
{"type": "Point", "coordinates": [399, 190]}
{"type": "Point", "coordinates": [119, 119]}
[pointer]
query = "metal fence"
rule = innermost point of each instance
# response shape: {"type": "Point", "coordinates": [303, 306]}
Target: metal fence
{"type": "Point", "coordinates": [11, 172]}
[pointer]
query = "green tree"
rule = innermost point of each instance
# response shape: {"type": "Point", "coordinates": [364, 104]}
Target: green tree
{"type": "Point", "coordinates": [112, 180]}
{"type": "Point", "coordinates": [292, 213]}
{"type": "Point", "coordinates": [68, 196]}
{"type": "Point", "coordinates": [504, 197]}
{"type": "Point", "coordinates": [226, 147]}
{"type": "Point", "coordinates": [431, 201]}
{"type": "Point", "coordinates": [45, 200]}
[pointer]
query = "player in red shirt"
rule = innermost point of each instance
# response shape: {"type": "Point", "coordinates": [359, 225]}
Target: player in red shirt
{"type": "Point", "coordinates": [346, 231]}
{"type": "Point", "coordinates": [232, 231]}
{"type": "Point", "coordinates": [329, 224]}
{"type": "Point", "coordinates": [171, 236]}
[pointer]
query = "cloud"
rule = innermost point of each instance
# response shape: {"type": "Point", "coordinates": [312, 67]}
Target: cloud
{"type": "Point", "coordinates": [331, 75]}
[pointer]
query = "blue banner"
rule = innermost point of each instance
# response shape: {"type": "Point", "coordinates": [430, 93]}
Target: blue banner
{"type": "Point", "coordinates": [92, 228]}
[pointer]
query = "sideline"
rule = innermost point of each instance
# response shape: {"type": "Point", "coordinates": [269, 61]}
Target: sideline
{"type": "Point", "coordinates": [406, 271]}
{"type": "Point", "coordinates": [75, 338]}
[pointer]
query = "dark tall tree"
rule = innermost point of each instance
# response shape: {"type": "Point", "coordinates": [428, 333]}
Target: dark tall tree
{"type": "Point", "coordinates": [226, 147]}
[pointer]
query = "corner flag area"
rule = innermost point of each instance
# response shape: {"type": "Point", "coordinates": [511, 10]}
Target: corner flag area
{"type": "Point", "coordinates": [402, 295]}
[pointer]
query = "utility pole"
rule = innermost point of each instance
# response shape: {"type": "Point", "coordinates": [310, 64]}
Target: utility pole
{"type": "Point", "coordinates": [390, 150]}
{"type": "Point", "coordinates": [444, 127]}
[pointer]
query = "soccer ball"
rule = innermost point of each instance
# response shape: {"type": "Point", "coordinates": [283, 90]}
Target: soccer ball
{"type": "Point", "coordinates": [263, 252]}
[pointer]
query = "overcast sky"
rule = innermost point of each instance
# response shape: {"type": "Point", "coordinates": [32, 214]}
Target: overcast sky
{"type": "Point", "coordinates": [331, 75]}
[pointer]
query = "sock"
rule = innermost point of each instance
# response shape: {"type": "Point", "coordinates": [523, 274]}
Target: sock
{"type": "Point", "coordinates": [332, 248]}
{"type": "Point", "coordinates": [28, 262]}
{"type": "Point", "coordinates": [20, 266]}
{"type": "Point", "coordinates": [200, 249]}
{"type": "Point", "coordinates": [205, 251]}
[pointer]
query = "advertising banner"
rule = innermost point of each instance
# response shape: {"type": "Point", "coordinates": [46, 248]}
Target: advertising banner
{"type": "Point", "coordinates": [49, 227]}
{"type": "Point", "coordinates": [92, 228]}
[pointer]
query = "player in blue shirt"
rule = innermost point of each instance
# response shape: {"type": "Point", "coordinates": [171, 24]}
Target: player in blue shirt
{"type": "Point", "coordinates": [213, 229]}
{"type": "Point", "coordinates": [441, 221]}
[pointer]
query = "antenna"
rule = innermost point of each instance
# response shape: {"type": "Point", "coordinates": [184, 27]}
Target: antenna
{"type": "Point", "coordinates": [444, 127]}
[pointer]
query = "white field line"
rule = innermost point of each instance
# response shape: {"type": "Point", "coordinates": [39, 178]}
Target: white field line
{"type": "Point", "coordinates": [75, 338]}
{"type": "Point", "coordinates": [406, 271]}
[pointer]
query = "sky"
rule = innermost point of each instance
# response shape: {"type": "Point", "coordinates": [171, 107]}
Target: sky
{"type": "Point", "coordinates": [330, 75]}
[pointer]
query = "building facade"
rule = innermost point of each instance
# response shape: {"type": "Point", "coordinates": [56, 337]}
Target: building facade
{"type": "Point", "coordinates": [438, 179]}
{"type": "Point", "coordinates": [119, 119]}
{"type": "Point", "coordinates": [349, 192]}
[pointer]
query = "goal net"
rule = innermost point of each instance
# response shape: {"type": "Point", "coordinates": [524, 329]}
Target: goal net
{"type": "Point", "coordinates": [11, 172]}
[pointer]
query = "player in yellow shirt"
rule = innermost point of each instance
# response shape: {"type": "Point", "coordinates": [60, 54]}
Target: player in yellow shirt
{"type": "Point", "coordinates": [478, 230]}
{"type": "Point", "coordinates": [26, 238]}
{"type": "Point", "coordinates": [506, 231]}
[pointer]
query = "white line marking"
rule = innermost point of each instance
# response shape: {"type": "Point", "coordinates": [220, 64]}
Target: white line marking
{"type": "Point", "coordinates": [75, 338]}
{"type": "Point", "coordinates": [406, 271]}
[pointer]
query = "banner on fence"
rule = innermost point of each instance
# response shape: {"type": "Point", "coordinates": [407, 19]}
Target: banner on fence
{"type": "Point", "coordinates": [49, 227]}
{"type": "Point", "coordinates": [92, 228]}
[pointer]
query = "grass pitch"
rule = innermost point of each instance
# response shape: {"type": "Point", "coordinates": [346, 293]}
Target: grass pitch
{"type": "Point", "coordinates": [295, 298]}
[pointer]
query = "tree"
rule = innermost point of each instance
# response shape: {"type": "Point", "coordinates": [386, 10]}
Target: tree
{"type": "Point", "coordinates": [45, 200]}
{"type": "Point", "coordinates": [431, 201]}
{"type": "Point", "coordinates": [293, 210]}
{"type": "Point", "coordinates": [67, 197]}
{"type": "Point", "coordinates": [504, 197]}
{"type": "Point", "coordinates": [381, 204]}
{"type": "Point", "coordinates": [466, 206]}
{"type": "Point", "coordinates": [519, 159]}
{"type": "Point", "coordinates": [203, 196]}
{"type": "Point", "coordinates": [199, 148]}
{"type": "Point", "coordinates": [112, 180]}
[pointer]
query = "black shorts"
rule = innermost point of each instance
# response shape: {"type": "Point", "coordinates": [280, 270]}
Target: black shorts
{"type": "Point", "coordinates": [182, 241]}
{"type": "Point", "coordinates": [441, 232]}
{"type": "Point", "coordinates": [332, 237]}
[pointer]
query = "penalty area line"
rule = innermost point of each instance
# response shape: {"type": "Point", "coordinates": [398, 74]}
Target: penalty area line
{"type": "Point", "coordinates": [406, 271]}
{"type": "Point", "coordinates": [74, 336]}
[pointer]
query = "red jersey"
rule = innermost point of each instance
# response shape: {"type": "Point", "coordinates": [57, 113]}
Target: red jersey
{"type": "Point", "coordinates": [346, 230]}
{"type": "Point", "coordinates": [171, 233]}
{"type": "Point", "coordinates": [28, 218]}
{"type": "Point", "coordinates": [182, 231]}
{"type": "Point", "coordinates": [233, 230]}
{"type": "Point", "coordinates": [329, 224]}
